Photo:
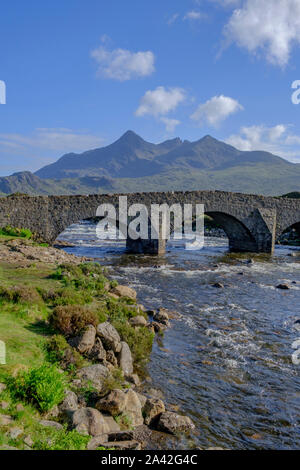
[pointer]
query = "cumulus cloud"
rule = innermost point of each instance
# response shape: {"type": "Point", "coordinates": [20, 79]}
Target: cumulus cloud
{"type": "Point", "coordinates": [58, 140]}
{"type": "Point", "coordinates": [269, 27]}
{"type": "Point", "coordinates": [170, 124]}
{"type": "Point", "coordinates": [216, 110]}
{"type": "Point", "coordinates": [122, 64]}
{"type": "Point", "coordinates": [277, 140]}
{"type": "Point", "coordinates": [160, 101]}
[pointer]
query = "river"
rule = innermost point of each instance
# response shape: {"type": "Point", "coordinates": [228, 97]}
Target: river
{"type": "Point", "coordinates": [226, 362]}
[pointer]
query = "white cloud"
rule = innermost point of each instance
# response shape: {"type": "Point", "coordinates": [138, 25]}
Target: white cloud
{"type": "Point", "coordinates": [216, 110]}
{"type": "Point", "coordinates": [194, 15]}
{"type": "Point", "coordinates": [277, 140]}
{"type": "Point", "coordinates": [160, 101]}
{"type": "Point", "coordinates": [170, 124]}
{"type": "Point", "coordinates": [122, 65]}
{"type": "Point", "coordinates": [270, 27]}
{"type": "Point", "coordinates": [173, 18]}
{"type": "Point", "coordinates": [57, 140]}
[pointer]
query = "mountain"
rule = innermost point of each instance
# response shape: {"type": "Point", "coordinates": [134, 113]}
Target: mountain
{"type": "Point", "coordinates": [129, 156]}
{"type": "Point", "coordinates": [132, 164]}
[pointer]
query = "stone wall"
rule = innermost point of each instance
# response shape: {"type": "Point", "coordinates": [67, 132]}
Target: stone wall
{"type": "Point", "coordinates": [251, 222]}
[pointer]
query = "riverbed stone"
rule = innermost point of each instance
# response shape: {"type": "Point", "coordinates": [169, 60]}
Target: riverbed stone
{"type": "Point", "coordinates": [172, 423]}
{"type": "Point", "coordinates": [152, 410]}
{"type": "Point", "coordinates": [89, 420]}
{"type": "Point", "coordinates": [125, 359]}
{"type": "Point", "coordinates": [161, 316]}
{"type": "Point", "coordinates": [124, 291]}
{"type": "Point", "coordinates": [283, 286]}
{"type": "Point", "coordinates": [109, 336]}
{"type": "Point", "coordinates": [96, 374]}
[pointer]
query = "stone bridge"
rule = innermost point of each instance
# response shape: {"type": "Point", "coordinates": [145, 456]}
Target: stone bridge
{"type": "Point", "coordinates": [251, 222]}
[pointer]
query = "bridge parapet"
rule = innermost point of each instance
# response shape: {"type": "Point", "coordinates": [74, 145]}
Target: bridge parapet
{"type": "Point", "coordinates": [252, 222]}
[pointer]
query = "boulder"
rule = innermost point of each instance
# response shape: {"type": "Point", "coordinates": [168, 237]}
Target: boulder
{"type": "Point", "coordinates": [15, 432]}
{"type": "Point", "coordinates": [139, 320]}
{"type": "Point", "coordinates": [51, 424]}
{"type": "Point", "coordinates": [118, 402]}
{"type": "Point", "coordinates": [172, 423]}
{"type": "Point", "coordinates": [90, 421]}
{"type": "Point", "coordinates": [124, 291]}
{"type": "Point", "coordinates": [5, 420]}
{"type": "Point", "coordinates": [97, 441]}
{"type": "Point", "coordinates": [123, 445]}
{"type": "Point", "coordinates": [86, 340]}
{"type": "Point", "coordinates": [98, 352]}
{"type": "Point", "coordinates": [4, 405]}
{"type": "Point", "coordinates": [125, 359]}
{"type": "Point", "coordinates": [283, 286]}
{"type": "Point", "coordinates": [28, 441]}
{"type": "Point", "coordinates": [113, 404]}
{"type": "Point", "coordinates": [109, 336]}
{"type": "Point", "coordinates": [95, 374]}
{"type": "Point", "coordinates": [2, 387]}
{"type": "Point", "coordinates": [152, 410]}
{"type": "Point", "coordinates": [70, 403]}
{"type": "Point", "coordinates": [158, 327]}
{"type": "Point", "coordinates": [111, 358]}
{"type": "Point", "coordinates": [142, 399]}
{"type": "Point", "coordinates": [133, 408]}
{"type": "Point", "coordinates": [161, 316]}
{"type": "Point", "coordinates": [112, 424]}
{"type": "Point", "coordinates": [218, 285]}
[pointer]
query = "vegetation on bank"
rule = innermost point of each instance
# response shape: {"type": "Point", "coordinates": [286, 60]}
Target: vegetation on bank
{"type": "Point", "coordinates": [9, 231]}
{"type": "Point", "coordinates": [41, 310]}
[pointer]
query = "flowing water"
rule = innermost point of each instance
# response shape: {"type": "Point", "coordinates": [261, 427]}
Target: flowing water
{"type": "Point", "coordinates": [226, 362]}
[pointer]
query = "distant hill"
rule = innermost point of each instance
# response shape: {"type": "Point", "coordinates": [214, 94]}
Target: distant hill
{"type": "Point", "coordinates": [133, 165]}
{"type": "Point", "coordinates": [294, 195]}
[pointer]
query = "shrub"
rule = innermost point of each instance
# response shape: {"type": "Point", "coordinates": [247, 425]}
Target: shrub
{"type": "Point", "coordinates": [70, 320]}
{"type": "Point", "coordinates": [61, 352]}
{"type": "Point", "coordinates": [20, 294]}
{"type": "Point", "coordinates": [42, 386]}
{"type": "Point", "coordinates": [16, 232]}
{"type": "Point", "coordinates": [66, 296]}
{"type": "Point", "coordinates": [139, 340]}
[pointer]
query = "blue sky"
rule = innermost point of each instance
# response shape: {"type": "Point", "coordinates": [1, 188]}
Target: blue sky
{"type": "Point", "coordinates": [79, 73]}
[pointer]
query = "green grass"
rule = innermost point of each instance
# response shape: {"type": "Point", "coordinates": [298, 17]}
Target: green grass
{"type": "Point", "coordinates": [34, 349]}
{"type": "Point", "coordinates": [15, 232]}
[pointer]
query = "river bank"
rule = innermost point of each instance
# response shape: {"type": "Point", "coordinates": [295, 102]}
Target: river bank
{"type": "Point", "coordinates": [63, 314]}
{"type": "Point", "coordinates": [227, 360]}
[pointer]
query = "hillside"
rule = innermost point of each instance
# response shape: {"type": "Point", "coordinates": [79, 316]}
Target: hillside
{"type": "Point", "coordinates": [133, 165]}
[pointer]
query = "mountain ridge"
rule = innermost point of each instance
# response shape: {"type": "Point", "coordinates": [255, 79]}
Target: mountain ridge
{"type": "Point", "coordinates": [131, 164]}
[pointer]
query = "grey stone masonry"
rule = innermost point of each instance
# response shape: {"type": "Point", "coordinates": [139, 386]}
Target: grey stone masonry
{"type": "Point", "coordinates": [251, 222]}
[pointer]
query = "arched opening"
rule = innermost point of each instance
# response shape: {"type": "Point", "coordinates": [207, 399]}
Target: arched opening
{"type": "Point", "coordinates": [239, 237]}
{"type": "Point", "coordinates": [290, 236]}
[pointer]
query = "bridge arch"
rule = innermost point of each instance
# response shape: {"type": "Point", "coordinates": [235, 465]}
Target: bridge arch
{"type": "Point", "coordinates": [237, 232]}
